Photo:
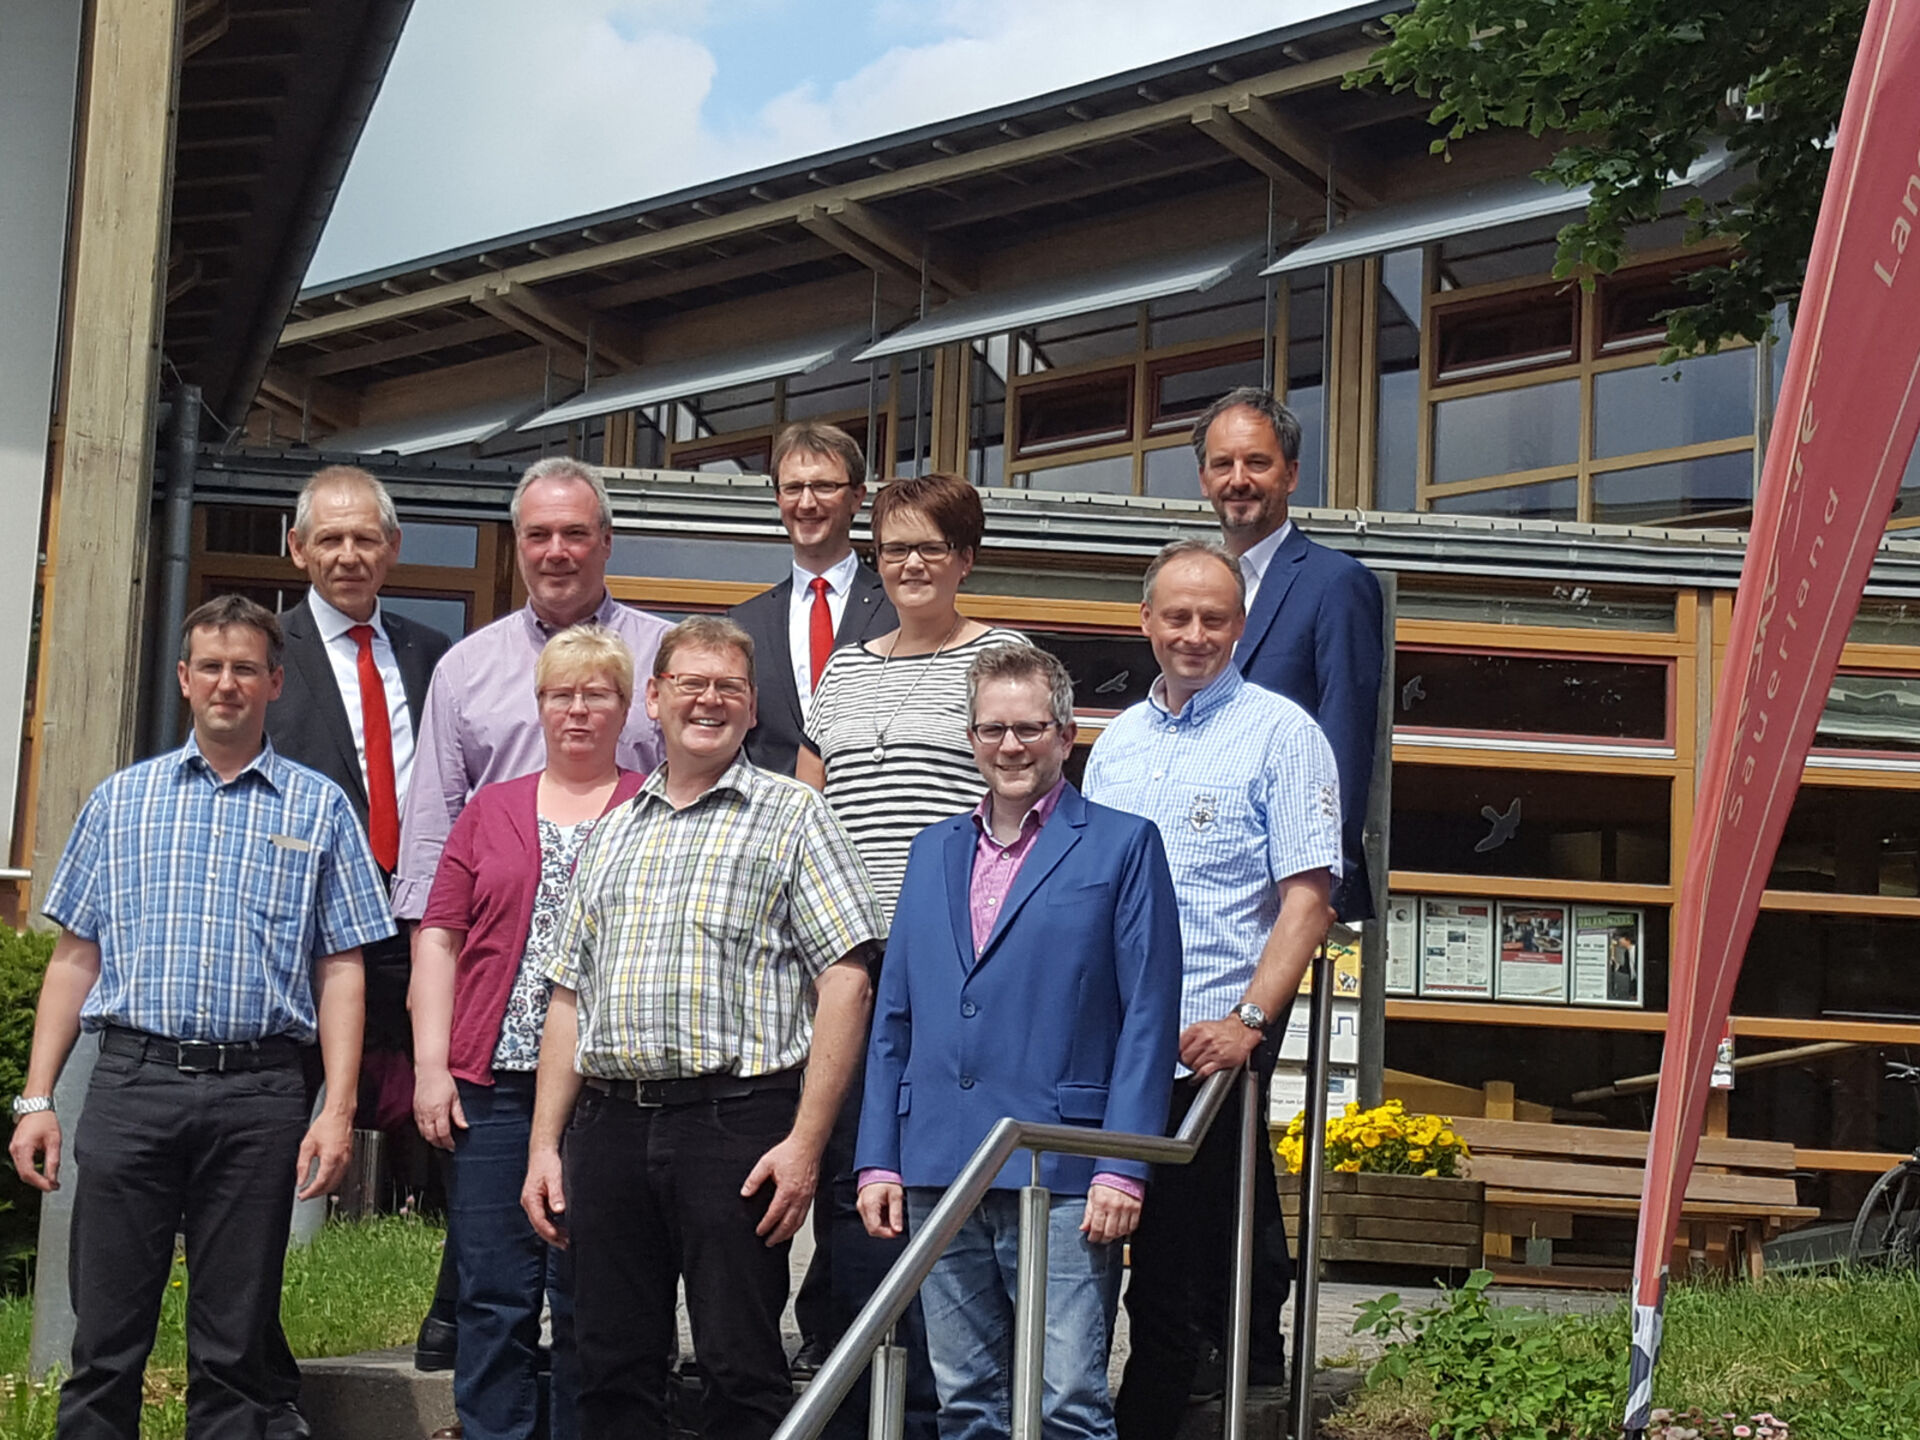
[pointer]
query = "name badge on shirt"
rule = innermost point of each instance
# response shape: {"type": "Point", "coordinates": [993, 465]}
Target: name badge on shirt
{"type": "Point", "coordinates": [291, 842]}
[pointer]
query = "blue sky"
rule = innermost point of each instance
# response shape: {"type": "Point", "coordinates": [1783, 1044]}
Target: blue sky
{"type": "Point", "coordinates": [498, 115]}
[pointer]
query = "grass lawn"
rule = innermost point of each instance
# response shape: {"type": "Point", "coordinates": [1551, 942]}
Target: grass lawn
{"type": "Point", "coordinates": [1833, 1355]}
{"type": "Point", "coordinates": [360, 1286]}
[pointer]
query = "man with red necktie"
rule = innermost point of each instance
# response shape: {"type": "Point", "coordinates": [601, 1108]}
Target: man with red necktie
{"type": "Point", "coordinates": [830, 600]}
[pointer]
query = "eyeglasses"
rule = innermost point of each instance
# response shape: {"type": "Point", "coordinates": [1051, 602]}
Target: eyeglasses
{"type": "Point", "coordinates": [693, 687]}
{"type": "Point", "coordinates": [992, 732]}
{"type": "Point", "coordinates": [596, 697]}
{"type": "Point", "coordinates": [895, 552]}
{"type": "Point", "coordinates": [819, 489]}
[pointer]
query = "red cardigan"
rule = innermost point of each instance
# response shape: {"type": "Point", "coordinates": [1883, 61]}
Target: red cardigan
{"type": "Point", "coordinates": [485, 886]}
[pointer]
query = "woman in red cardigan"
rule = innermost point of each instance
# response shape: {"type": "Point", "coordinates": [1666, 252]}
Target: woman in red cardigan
{"type": "Point", "coordinates": [479, 1003]}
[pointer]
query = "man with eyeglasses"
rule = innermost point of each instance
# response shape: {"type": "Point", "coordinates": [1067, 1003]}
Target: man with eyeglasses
{"type": "Point", "coordinates": [481, 723]}
{"type": "Point", "coordinates": [830, 600]}
{"type": "Point", "coordinates": [712, 957]}
{"type": "Point", "coordinates": [1036, 903]}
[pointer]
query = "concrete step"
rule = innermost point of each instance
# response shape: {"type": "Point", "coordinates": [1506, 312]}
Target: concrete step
{"type": "Point", "coordinates": [380, 1396]}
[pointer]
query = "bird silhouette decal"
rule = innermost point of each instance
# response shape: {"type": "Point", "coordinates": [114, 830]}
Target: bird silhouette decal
{"type": "Point", "coordinates": [1413, 690]}
{"type": "Point", "coordinates": [1505, 827]}
{"type": "Point", "coordinates": [1114, 685]}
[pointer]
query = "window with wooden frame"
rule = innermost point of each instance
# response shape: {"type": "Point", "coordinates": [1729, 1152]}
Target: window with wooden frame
{"type": "Point", "coordinates": [1543, 401]}
{"type": "Point", "coordinates": [732, 432]}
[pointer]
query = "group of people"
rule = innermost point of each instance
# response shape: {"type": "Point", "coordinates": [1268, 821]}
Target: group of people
{"type": "Point", "coordinates": [702, 929]}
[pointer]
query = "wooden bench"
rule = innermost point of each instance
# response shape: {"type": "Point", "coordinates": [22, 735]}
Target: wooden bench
{"type": "Point", "coordinates": [1538, 1177]}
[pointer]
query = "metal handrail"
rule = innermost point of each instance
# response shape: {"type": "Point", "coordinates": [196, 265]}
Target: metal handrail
{"type": "Point", "coordinates": [872, 1326]}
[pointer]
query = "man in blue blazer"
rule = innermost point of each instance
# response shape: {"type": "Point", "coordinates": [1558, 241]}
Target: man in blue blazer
{"type": "Point", "coordinates": [1033, 971]}
{"type": "Point", "coordinates": [1313, 614]}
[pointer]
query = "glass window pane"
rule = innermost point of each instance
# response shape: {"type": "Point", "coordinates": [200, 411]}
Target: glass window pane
{"type": "Point", "coordinates": [1533, 327]}
{"type": "Point", "coordinates": [1110, 672]}
{"type": "Point", "coordinates": [1304, 401]}
{"type": "Point", "coordinates": [1506, 430]}
{"type": "Point", "coordinates": [1655, 407]}
{"type": "Point", "coordinates": [675, 557]}
{"type": "Point", "coordinates": [1530, 694]}
{"type": "Point", "coordinates": [1080, 338]}
{"type": "Point", "coordinates": [1886, 622]}
{"type": "Point", "coordinates": [449, 617]}
{"type": "Point", "coordinates": [1586, 607]}
{"type": "Point", "coordinates": [1551, 500]}
{"type": "Point", "coordinates": [1113, 476]}
{"type": "Point", "coordinates": [1844, 966]}
{"type": "Point", "coordinates": [1849, 840]}
{"type": "Point", "coordinates": [1551, 825]}
{"type": "Point", "coordinates": [1397, 440]}
{"type": "Point", "coordinates": [1650, 494]}
{"type": "Point", "coordinates": [1172, 473]}
{"type": "Point", "coordinates": [1233, 307]}
{"type": "Point", "coordinates": [428, 542]}
{"type": "Point", "coordinates": [1180, 394]}
{"type": "Point", "coordinates": [1068, 413]}
{"type": "Point", "coordinates": [1871, 712]}
{"type": "Point", "coordinates": [1509, 252]}
{"type": "Point", "coordinates": [246, 530]}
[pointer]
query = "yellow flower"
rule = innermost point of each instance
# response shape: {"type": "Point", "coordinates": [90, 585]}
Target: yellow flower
{"type": "Point", "coordinates": [1416, 1154]}
{"type": "Point", "coordinates": [1348, 1167]}
{"type": "Point", "coordinates": [1430, 1174]}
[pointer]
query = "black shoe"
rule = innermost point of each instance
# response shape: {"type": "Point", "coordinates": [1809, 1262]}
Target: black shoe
{"type": "Point", "coordinates": [287, 1423]}
{"type": "Point", "coordinates": [437, 1345]}
{"type": "Point", "coordinates": [1209, 1376]}
{"type": "Point", "coordinates": [808, 1359]}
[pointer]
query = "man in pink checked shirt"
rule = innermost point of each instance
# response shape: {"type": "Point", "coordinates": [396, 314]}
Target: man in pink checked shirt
{"type": "Point", "coordinates": [1033, 971]}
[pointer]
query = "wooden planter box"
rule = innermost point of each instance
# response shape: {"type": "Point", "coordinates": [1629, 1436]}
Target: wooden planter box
{"type": "Point", "coordinates": [1395, 1219]}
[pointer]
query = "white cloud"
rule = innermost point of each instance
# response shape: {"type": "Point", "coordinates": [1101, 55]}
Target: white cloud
{"type": "Point", "coordinates": [500, 115]}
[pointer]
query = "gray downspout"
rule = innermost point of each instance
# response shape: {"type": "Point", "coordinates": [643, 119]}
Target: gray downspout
{"type": "Point", "coordinates": [176, 544]}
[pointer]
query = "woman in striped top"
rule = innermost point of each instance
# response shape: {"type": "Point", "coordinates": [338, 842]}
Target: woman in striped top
{"type": "Point", "coordinates": [887, 730]}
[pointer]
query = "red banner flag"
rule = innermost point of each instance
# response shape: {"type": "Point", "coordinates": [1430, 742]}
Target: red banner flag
{"type": "Point", "coordinates": [1843, 428]}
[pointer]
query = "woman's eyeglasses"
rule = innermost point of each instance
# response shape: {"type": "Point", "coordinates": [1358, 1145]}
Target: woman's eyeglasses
{"type": "Point", "coordinates": [593, 697]}
{"type": "Point", "coordinates": [895, 552]}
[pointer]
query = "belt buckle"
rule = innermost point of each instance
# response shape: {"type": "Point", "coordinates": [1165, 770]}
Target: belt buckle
{"type": "Point", "coordinates": [200, 1057]}
{"type": "Point", "coordinates": [644, 1093]}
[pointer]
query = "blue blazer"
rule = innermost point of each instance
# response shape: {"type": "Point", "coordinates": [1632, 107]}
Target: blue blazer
{"type": "Point", "coordinates": [1070, 1015]}
{"type": "Point", "coordinates": [1313, 635]}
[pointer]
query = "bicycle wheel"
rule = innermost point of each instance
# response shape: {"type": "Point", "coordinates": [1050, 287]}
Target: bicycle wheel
{"type": "Point", "coordinates": [1887, 1228]}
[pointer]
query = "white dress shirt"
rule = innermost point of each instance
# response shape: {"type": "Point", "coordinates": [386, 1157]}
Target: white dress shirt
{"type": "Point", "coordinates": [1253, 564]}
{"type": "Point", "coordinates": [839, 580]}
{"type": "Point", "coordinates": [344, 656]}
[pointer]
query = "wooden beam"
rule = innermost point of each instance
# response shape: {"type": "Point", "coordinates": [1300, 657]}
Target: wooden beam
{"type": "Point", "coordinates": [89, 662]}
{"type": "Point", "coordinates": [761, 260]}
{"type": "Point", "coordinates": [1310, 148]}
{"type": "Point", "coordinates": [1314, 74]}
{"type": "Point", "coordinates": [942, 265]}
{"type": "Point", "coordinates": [823, 224]}
{"type": "Point", "coordinates": [614, 339]}
{"type": "Point", "coordinates": [401, 347]}
{"type": "Point", "coordinates": [1295, 195]}
{"type": "Point", "coordinates": [334, 406]}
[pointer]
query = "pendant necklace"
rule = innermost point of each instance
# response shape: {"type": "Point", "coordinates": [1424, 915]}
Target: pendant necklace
{"type": "Point", "coordinates": [880, 731]}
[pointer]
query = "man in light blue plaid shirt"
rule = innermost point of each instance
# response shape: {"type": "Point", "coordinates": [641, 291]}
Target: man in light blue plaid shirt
{"type": "Point", "coordinates": [213, 903]}
{"type": "Point", "coordinates": [1244, 789]}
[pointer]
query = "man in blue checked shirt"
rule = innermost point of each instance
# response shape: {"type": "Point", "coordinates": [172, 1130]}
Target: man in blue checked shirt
{"type": "Point", "coordinates": [213, 902]}
{"type": "Point", "coordinates": [1243, 787]}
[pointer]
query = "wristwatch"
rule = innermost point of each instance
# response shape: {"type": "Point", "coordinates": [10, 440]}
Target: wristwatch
{"type": "Point", "coordinates": [24, 1105]}
{"type": "Point", "coordinates": [1250, 1015]}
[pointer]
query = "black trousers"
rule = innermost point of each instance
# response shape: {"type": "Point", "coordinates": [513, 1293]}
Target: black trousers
{"type": "Point", "coordinates": [653, 1196]}
{"type": "Point", "coordinates": [1179, 1291]}
{"type": "Point", "coordinates": [211, 1156]}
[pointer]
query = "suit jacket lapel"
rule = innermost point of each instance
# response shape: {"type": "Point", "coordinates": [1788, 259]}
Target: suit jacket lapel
{"type": "Point", "coordinates": [1282, 571]}
{"type": "Point", "coordinates": [866, 602]}
{"type": "Point", "coordinates": [958, 855]}
{"type": "Point", "coordinates": [778, 660]}
{"type": "Point", "coordinates": [415, 673]}
{"type": "Point", "coordinates": [307, 653]}
{"type": "Point", "coordinates": [1056, 840]}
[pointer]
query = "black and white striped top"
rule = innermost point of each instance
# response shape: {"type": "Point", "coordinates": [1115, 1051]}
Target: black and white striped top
{"type": "Point", "coordinates": [926, 771]}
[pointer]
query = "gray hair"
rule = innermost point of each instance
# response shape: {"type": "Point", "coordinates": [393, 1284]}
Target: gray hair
{"type": "Point", "coordinates": [562, 467]}
{"type": "Point", "coordinates": [1023, 662]}
{"type": "Point", "coordinates": [344, 477]}
{"type": "Point", "coordinates": [1186, 549]}
{"type": "Point", "coordinates": [1286, 425]}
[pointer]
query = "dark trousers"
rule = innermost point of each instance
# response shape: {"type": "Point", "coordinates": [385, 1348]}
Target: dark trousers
{"type": "Point", "coordinates": [860, 1263]}
{"type": "Point", "coordinates": [158, 1153]}
{"type": "Point", "coordinates": [506, 1271]}
{"type": "Point", "coordinates": [1182, 1251]}
{"type": "Point", "coordinates": [653, 1196]}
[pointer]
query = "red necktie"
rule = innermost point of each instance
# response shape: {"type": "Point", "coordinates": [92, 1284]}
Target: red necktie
{"type": "Point", "coordinates": [383, 807]}
{"type": "Point", "coordinates": [820, 629]}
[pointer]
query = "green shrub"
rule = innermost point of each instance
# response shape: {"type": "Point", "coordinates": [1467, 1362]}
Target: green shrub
{"type": "Point", "coordinates": [23, 963]}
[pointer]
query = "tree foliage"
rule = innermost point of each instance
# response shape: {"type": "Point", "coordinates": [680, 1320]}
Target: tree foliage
{"type": "Point", "coordinates": [1637, 90]}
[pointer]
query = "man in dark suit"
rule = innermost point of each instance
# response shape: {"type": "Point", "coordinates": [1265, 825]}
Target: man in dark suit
{"type": "Point", "coordinates": [1313, 614]}
{"type": "Point", "coordinates": [356, 681]}
{"type": "Point", "coordinates": [830, 600]}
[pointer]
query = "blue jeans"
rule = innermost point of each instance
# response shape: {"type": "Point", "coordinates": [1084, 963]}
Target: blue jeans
{"type": "Point", "coordinates": [505, 1272]}
{"type": "Point", "coordinates": [968, 1301]}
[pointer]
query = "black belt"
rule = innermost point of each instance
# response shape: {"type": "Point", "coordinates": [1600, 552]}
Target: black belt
{"type": "Point", "coordinates": [653, 1094]}
{"type": "Point", "coordinates": [202, 1057]}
